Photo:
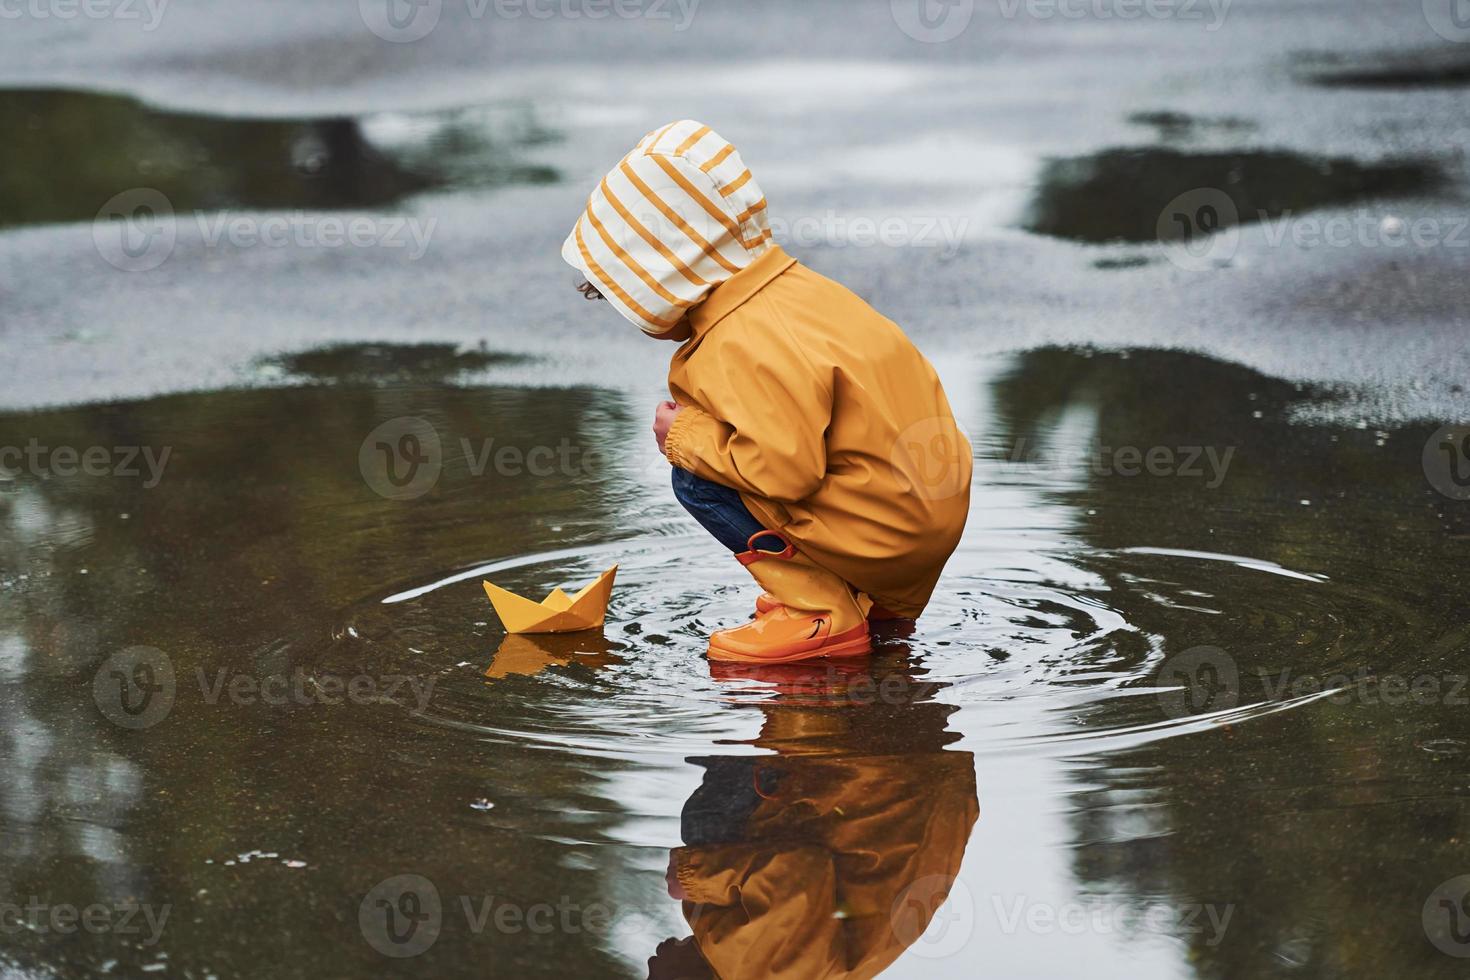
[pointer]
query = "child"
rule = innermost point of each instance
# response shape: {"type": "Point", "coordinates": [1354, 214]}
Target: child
{"type": "Point", "coordinates": [806, 432]}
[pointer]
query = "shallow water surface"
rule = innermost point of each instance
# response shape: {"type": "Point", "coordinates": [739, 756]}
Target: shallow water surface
{"type": "Point", "coordinates": [55, 171]}
{"type": "Point", "coordinates": [1157, 704]}
{"type": "Point", "coordinates": [1131, 194]}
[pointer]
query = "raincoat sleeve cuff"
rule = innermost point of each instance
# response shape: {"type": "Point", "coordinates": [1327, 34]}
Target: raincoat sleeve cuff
{"type": "Point", "coordinates": [714, 875]}
{"type": "Point", "coordinates": [683, 437]}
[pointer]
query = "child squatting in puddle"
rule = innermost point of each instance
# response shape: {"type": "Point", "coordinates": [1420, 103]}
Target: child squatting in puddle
{"type": "Point", "coordinates": [806, 433]}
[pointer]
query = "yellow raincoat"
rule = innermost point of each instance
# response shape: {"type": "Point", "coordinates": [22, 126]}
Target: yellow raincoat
{"type": "Point", "coordinates": [841, 873]}
{"type": "Point", "coordinates": [842, 846]}
{"type": "Point", "coordinates": [794, 391]}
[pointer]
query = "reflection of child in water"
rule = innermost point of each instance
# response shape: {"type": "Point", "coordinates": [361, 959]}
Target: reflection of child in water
{"type": "Point", "coordinates": [827, 859]}
{"type": "Point", "coordinates": [807, 434]}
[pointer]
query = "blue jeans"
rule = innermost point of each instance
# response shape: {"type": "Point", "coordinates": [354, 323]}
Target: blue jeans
{"type": "Point", "coordinates": [719, 510]}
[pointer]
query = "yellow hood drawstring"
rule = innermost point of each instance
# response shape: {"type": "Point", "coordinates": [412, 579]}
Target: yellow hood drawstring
{"type": "Point", "coordinates": [676, 217]}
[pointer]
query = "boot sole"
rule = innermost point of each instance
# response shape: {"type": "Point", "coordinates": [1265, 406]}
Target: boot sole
{"type": "Point", "coordinates": [855, 647]}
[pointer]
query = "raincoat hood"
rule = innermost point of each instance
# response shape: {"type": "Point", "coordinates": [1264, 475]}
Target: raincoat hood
{"type": "Point", "coordinates": [679, 215]}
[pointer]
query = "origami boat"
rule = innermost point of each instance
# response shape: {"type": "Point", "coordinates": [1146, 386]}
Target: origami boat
{"type": "Point", "coordinates": [558, 612]}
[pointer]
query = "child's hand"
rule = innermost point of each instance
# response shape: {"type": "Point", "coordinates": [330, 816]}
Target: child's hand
{"type": "Point", "coordinates": [663, 417]}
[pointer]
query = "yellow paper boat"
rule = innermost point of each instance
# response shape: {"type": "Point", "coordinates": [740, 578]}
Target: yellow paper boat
{"type": "Point", "coordinates": [558, 612]}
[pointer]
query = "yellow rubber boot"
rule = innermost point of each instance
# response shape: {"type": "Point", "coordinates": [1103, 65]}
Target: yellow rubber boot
{"type": "Point", "coordinates": [765, 602]}
{"type": "Point", "coordinates": [818, 615]}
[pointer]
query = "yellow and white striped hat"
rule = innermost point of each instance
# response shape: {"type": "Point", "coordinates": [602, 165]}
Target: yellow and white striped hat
{"type": "Point", "coordinates": [678, 216]}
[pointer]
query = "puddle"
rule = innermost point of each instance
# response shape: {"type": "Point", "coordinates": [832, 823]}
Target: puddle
{"type": "Point", "coordinates": [1129, 688]}
{"type": "Point", "coordinates": [390, 364]}
{"type": "Point", "coordinates": [54, 173]}
{"type": "Point", "coordinates": [1173, 126]}
{"type": "Point", "coordinates": [1123, 262]}
{"type": "Point", "coordinates": [1119, 195]}
{"type": "Point", "coordinates": [1428, 68]}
